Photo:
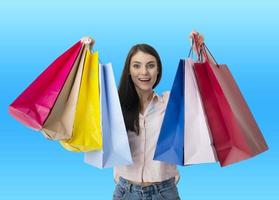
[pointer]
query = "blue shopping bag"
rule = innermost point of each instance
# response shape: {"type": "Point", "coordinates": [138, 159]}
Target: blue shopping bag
{"type": "Point", "coordinates": [170, 144]}
{"type": "Point", "coordinates": [116, 149]}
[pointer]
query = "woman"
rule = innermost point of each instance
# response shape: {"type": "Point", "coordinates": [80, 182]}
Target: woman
{"type": "Point", "coordinates": [143, 112]}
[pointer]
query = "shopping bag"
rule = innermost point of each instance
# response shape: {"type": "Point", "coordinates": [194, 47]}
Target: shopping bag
{"type": "Point", "coordinates": [59, 124]}
{"type": "Point", "coordinates": [116, 149]}
{"type": "Point", "coordinates": [86, 134]}
{"type": "Point", "coordinates": [34, 104]}
{"type": "Point", "coordinates": [198, 145]}
{"type": "Point", "coordinates": [234, 130]}
{"type": "Point", "coordinates": [170, 144]}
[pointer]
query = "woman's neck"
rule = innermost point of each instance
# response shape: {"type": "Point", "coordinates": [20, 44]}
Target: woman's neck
{"type": "Point", "coordinates": [145, 98]}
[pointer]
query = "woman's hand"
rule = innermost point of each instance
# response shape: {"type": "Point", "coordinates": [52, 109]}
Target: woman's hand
{"type": "Point", "coordinates": [88, 40]}
{"type": "Point", "coordinates": [199, 41]}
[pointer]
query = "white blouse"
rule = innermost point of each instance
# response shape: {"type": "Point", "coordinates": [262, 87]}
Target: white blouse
{"type": "Point", "coordinates": [144, 168]}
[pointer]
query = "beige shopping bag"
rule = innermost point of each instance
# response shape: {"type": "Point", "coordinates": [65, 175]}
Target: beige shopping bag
{"type": "Point", "coordinates": [59, 124]}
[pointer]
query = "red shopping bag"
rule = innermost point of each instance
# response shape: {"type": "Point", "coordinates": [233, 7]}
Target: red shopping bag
{"type": "Point", "coordinates": [234, 130]}
{"type": "Point", "coordinates": [34, 104]}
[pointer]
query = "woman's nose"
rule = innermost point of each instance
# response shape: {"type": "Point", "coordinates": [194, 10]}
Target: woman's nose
{"type": "Point", "coordinates": [143, 70]}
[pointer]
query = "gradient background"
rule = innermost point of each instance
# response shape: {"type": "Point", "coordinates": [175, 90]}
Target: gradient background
{"type": "Point", "coordinates": [242, 34]}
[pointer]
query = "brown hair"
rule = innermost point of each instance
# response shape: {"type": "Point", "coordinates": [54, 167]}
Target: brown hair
{"type": "Point", "coordinates": [128, 96]}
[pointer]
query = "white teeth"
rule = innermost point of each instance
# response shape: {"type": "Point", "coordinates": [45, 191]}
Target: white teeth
{"type": "Point", "coordinates": [142, 79]}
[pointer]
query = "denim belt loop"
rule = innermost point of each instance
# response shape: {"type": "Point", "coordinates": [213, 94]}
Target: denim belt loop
{"type": "Point", "coordinates": [129, 187]}
{"type": "Point", "coordinates": [156, 188]}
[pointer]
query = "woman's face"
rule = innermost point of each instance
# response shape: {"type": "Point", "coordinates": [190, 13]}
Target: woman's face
{"type": "Point", "coordinates": [144, 71]}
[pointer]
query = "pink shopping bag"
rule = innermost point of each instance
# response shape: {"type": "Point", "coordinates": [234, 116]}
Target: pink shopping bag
{"type": "Point", "coordinates": [236, 135]}
{"type": "Point", "coordinates": [34, 104]}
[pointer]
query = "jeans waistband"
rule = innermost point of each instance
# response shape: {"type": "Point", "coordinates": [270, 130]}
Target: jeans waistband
{"type": "Point", "coordinates": [153, 188]}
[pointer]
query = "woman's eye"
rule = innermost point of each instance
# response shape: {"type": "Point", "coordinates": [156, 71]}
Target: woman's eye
{"type": "Point", "coordinates": [151, 65]}
{"type": "Point", "coordinates": [136, 66]}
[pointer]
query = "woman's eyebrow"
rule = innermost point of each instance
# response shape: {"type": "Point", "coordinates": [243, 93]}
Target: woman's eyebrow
{"type": "Point", "coordinates": [152, 61]}
{"type": "Point", "coordinates": [136, 62]}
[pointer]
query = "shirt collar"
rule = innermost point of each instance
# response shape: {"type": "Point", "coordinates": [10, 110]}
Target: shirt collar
{"type": "Point", "coordinates": [156, 97]}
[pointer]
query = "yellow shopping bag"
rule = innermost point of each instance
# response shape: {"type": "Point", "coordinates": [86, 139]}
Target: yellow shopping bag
{"type": "Point", "coordinates": [87, 134]}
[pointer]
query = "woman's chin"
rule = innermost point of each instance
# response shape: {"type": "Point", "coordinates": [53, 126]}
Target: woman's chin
{"type": "Point", "coordinates": [145, 88]}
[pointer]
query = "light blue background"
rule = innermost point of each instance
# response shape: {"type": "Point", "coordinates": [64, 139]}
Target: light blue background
{"type": "Point", "coordinates": [242, 34]}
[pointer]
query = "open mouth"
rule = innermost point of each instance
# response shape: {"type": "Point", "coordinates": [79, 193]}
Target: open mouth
{"type": "Point", "coordinates": [144, 80]}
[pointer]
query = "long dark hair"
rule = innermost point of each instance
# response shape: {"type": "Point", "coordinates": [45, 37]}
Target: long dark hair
{"type": "Point", "coordinates": [128, 96]}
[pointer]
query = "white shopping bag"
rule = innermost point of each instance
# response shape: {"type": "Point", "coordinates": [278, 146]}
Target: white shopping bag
{"type": "Point", "coordinates": [116, 148]}
{"type": "Point", "coordinates": [198, 147]}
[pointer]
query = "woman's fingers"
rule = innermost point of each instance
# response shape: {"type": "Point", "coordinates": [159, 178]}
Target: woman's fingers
{"type": "Point", "coordinates": [87, 40]}
{"type": "Point", "coordinates": [198, 37]}
{"type": "Point", "coordinates": [199, 40]}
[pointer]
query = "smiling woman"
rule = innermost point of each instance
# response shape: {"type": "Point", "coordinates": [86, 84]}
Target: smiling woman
{"type": "Point", "coordinates": [143, 112]}
{"type": "Point", "coordinates": [144, 72]}
{"type": "Point", "coordinates": [135, 89]}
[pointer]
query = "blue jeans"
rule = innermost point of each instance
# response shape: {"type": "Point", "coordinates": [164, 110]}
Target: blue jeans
{"type": "Point", "coordinates": [159, 191]}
